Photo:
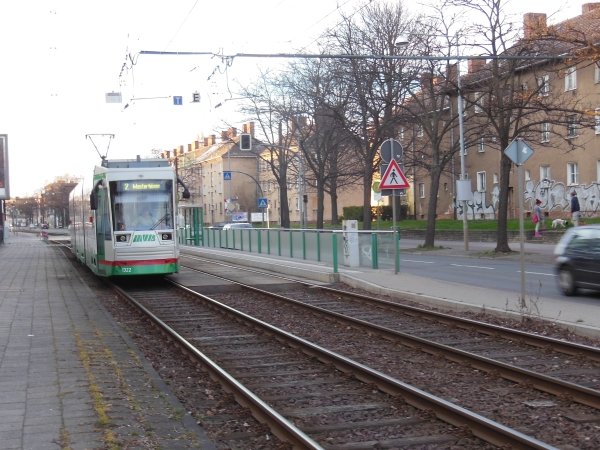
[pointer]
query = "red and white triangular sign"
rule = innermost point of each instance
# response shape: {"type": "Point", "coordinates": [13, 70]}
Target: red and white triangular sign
{"type": "Point", "coordinates": [393, 178]}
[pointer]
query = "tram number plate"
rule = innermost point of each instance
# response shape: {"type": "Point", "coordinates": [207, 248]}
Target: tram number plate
{"type": "Point", "coordinates": [126, 269]}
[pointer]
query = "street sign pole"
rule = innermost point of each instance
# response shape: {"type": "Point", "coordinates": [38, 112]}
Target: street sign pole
{"type": "Point", "coordinates": [520, 175]}
{"type": "Point", "coordinates": [518, 152]}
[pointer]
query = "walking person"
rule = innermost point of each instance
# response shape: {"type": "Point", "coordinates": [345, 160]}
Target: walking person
{"type": "Point", "coordinates": [538, 218]}
{"type": "Point", "coordinates": [575, 209]}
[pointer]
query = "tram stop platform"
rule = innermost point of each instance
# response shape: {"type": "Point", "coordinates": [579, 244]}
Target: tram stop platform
{"type": "Point", "coordinates": [59, 348]}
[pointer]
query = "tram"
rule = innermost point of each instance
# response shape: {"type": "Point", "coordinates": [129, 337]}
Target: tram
{"type": "Point", "coordinates": [123, 218]}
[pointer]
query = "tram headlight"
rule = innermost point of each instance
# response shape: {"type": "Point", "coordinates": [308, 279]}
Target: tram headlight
{"type": "Point", "coordinates": [122, 237]}
{"type": "Point", "coordinates": [166, 236]}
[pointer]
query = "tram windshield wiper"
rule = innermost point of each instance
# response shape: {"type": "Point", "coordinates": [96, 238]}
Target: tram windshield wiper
{"type": "Point", "coordinates": [159, 221]}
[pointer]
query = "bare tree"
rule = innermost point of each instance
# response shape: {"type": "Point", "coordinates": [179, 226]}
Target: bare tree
{"type": "Point", "coordinates": [376, 85]}
{"type": "Point", "coordinates": [322, 103]}
{"type": "Point", "coordinates": [269, 103]}
{"type": "Point", "coordinates": [55, 200]}
{"type": "Point", "coordinates": [505, 97]}
{"type": "Point", "coordinates": [429, 110]}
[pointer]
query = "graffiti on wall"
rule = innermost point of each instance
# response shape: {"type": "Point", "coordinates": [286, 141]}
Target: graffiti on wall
{"type": "Point", "coordinates": [555, 197]}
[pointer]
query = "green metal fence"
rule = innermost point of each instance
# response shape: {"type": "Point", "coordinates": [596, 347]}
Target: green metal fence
{"type": "Point", "coordinates": [376, 249]}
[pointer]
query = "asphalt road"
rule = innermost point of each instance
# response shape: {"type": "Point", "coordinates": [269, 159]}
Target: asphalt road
{"type": "Point", "coordinates": [480, 267]}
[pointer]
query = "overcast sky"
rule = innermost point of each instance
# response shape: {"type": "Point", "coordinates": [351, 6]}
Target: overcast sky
{"type": "Point", "coordinates": [60, 58]}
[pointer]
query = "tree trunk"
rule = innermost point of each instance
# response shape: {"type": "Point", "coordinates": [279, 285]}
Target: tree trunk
{"type": "Point", "coordinates": [502, 236]}
{"type": "Point", "coordinates": [367, 215]}
{"type": "Point", "coordinates": [432, 208]}
{"type": "Point", "coordinates": [284, 208]}
{"type": "Point", "coordinates": [334, 206]}
{"type": "Point", "coordinates": [320, 204]}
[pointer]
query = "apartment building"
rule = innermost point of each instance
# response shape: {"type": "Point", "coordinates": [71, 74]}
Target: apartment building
{"type": "Point", "coordinates": [221, 177]}
{"type": "Point", "coordinates": [566, 143]}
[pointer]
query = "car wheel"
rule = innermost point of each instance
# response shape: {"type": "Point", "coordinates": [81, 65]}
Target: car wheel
{"type": "Point", "coordinates": [566, 281]}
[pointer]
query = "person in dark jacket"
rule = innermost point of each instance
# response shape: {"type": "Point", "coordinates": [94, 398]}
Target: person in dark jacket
{"type": "Point", "coordinates": [575, 209]}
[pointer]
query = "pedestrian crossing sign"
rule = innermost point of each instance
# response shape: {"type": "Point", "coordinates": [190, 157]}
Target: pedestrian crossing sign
{"type": "Point", "coordinates": [393, 178]}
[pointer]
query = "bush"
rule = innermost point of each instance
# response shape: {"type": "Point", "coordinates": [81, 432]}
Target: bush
{"type": "Point", "coordinates": [353, 213]}
{"type": "Point", "coordinates": [386, 212]}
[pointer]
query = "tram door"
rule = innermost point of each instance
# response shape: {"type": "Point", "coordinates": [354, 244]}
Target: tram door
{"type": "Point", "coordinates": [102, 227]}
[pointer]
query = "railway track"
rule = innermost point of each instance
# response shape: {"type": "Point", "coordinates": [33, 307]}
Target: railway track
{"type": "Point", "coordinates": [310, 396]}
{"type": "Point", "coordinates": [451, 345]}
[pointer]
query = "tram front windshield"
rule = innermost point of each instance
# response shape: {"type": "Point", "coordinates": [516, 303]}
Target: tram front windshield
{"type": "Point", "coordinates": [142, 205]}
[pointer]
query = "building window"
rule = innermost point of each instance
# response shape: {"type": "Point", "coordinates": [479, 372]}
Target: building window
{"type": "Point", "coordinates": [598, 171]}
{"type": "Point", "coordinates": [527, 175]}
{"type": "Point", "coordinates": [572, 174]}
{"type": "Point", "coordinates": [479, 102]}
{"type": "Point", "coordinates": [572, 126]}
{"type": "Point", "coordinates": [481, 145]}
{"type": "Point", "coordinates": [571, 79]}
{"type": "Point", "coordinates": [545, 132]}
{"type": "Point", "coordinates": [421, 190]}
{"type": "Point", "coordinates": [597, 121]}
{"type": "Point", "coordinates": [495, 178]}
{"type": "Point", "coordinates": [481, 181]}
{"type": "Point", "coordinates": [543, 83]}
{"type": "Point", "coordinates": [545, 173]}
{"type": "Point", "coordinates": [597, 72]}
{"type": "Point", "coordinates": [419, 130]}
{"type": "Point", "coordinates": [401, 134]}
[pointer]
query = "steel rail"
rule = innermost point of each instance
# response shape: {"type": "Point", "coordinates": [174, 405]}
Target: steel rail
{"type": "Point", "coordinates": [539, 381]}
{"type": "Point", "coordinates": [279, 425]}
{"type": "Point", "coordinates": [482, 427]}
{"type": "Point", "coordinates": [570, 348]}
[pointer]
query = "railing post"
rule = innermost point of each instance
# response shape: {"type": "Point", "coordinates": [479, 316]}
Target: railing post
{"type": "Point", "coordinates": [291, 244]}
{"type": "Point", "coordinates": [196, 227]}
{"type": "Point", "coordinates": [397, 245]}
{"type": "Point", "coordinates": [319, 245]}
{"type": "Point", "coordinates": [268, 241]}
{"type": "Point", "coordinates": [249, 239]}
{"type": "Point", "coordinates": [279, 242]}
{"type": "Point", "coordinates": [334, 250]}
{"type": "Point", "coordinates": [303, 244]}
{"type": "Point", "coordinates": [258, 240]}
{"type": "Point", "coordinates": [374, 251]}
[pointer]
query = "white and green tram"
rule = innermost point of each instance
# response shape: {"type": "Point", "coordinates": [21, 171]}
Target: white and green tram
{"type": "Point", "coordinates": [123, 218]}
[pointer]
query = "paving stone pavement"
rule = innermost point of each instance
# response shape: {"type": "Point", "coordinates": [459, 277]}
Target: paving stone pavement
{"type": "Point", "coordinates": [69, 377]}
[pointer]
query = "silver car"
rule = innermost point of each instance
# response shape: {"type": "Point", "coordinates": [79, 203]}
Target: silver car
{"type": "Point", "coordinates": [236, 225]}
{"type": "Point", "coordinates": [578, 259]}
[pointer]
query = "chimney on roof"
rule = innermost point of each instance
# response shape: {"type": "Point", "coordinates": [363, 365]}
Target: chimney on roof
{"type": "Point", "coordinates": [196, 145]}
{"type": "Point", "coordinates": [189, 147]}
{"type": "Point", "coordinates": [587, 7]}
{"type": "Point", "coordinates": [475, 65]}
{"type": "Point", "coordinates": [534, 25]}
{"type": "Point", "coordinates": [212, 139]}
{"type": "Point", "coordinates": [248, 128]}
{"type": "Point", "coordinates": [206, 142]}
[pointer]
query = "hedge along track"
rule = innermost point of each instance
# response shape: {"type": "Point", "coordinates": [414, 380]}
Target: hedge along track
{"type": "Point", "coordinates": [330, 398]}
